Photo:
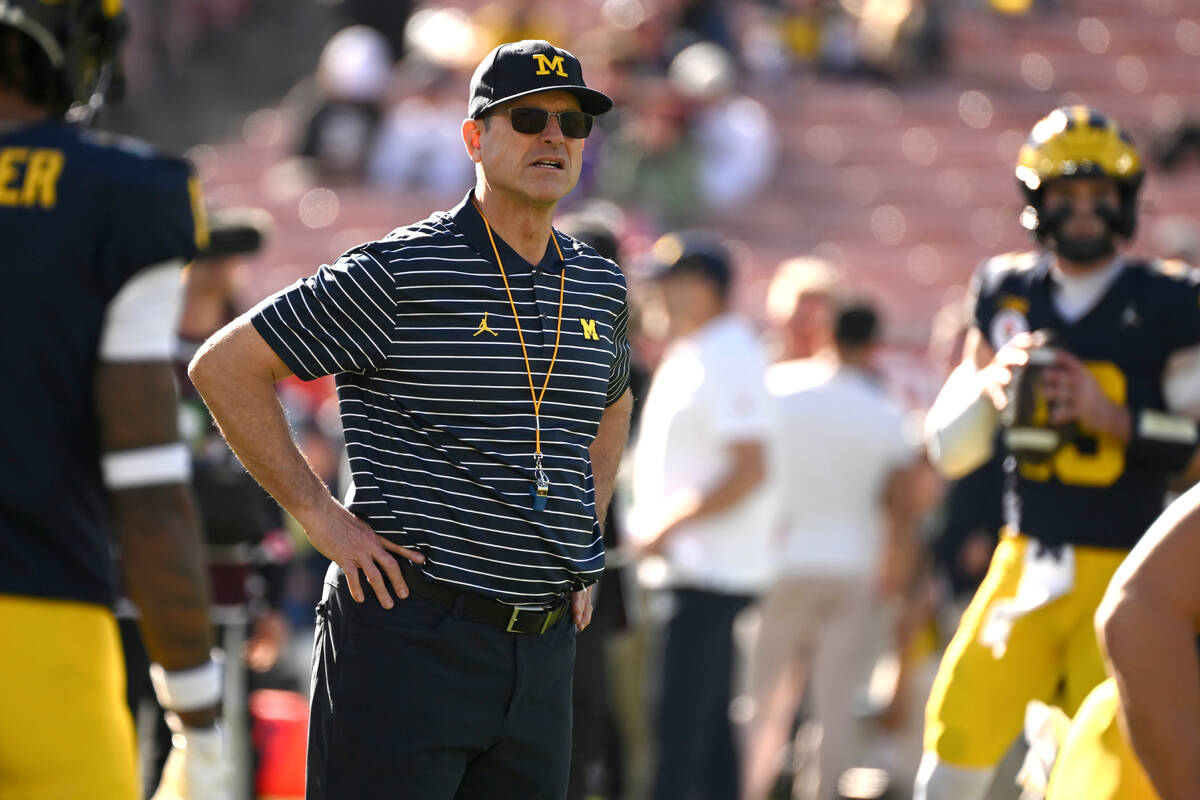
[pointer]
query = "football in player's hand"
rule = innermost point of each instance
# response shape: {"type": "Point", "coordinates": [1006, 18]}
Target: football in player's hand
{"type": "Point", "coordinates": [1026, 417]}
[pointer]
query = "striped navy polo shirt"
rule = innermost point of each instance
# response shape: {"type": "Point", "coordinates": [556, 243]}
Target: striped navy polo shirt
{"type": "Point", "coordinates": [435, 401]}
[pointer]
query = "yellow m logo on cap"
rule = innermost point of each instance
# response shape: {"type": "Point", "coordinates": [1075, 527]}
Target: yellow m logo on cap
{"type": "Point", "coordinates": [547, 65]}
{"type": "Point", "coordinates": [589, 329]}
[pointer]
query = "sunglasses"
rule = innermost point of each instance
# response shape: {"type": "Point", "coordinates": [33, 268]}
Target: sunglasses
{"type": "Point", "coordinates": [573, 124]}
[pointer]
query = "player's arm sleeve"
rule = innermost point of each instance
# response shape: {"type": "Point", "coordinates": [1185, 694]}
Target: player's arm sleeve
{"type": "Point", "coordinates": [618, 379]}
{"type": "Point", "coordinates": [140, 322]}
{"type": "Point", "coordinates": [155, 225]}
{"type": "Point", "coordinates": [960, 426]}
{"type": "Point", "coordinates": [136, 347]}
{"type": "Point", "coordinates": [339, 320]}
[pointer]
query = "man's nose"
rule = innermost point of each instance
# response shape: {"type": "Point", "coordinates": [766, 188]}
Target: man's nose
{"type": "Point", "coordinates": [553, 131]}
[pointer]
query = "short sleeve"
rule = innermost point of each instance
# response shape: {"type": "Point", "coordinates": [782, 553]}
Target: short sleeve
{"type": "Point", "coordinates": [155, 215]}
{"type": "Point", "coordinates": [736, 397]}
{"type": "Point", "coordinates": [339, 320]}
{"type": "Point", "coordinates": [618, 378]}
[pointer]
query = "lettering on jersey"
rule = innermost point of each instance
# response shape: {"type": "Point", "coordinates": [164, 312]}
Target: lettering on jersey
{"type": "Point", "coordinates": [547, 65]}
{"type": "Point", "coordinates": [29, 176]}
{"type": "Point", "coordinates": [589, 329]}
{"type": "Point", "coordinates": [199, 214]}
{"type": "Point", "coordinates": [1091, 458]}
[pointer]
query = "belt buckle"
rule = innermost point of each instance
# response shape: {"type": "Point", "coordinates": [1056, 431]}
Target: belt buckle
{"type": "Point", "coordinates": [516, 612]}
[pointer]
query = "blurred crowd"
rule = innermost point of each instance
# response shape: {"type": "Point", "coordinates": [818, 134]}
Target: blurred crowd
{"type": "Point", "coordinates": [832, 642]}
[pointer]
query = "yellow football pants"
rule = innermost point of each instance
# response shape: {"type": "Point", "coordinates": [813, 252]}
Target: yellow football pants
{"type": "Point", "coordinates": [1096, 761]}
{"type": "Point", "coordinates": [65, 732]}
{"type": "Point", "coordinates": [977, 705]}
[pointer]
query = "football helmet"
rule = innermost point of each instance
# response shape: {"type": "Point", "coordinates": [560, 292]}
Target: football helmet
{"type": "Point", "coordinates": [1078, 142]}
{"type": "Point", "coordinates": [81, 39]}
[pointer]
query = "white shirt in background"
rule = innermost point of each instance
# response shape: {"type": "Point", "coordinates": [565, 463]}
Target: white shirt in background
{"type": "Point", "coordinates": [841, 439]}
{"type": "Point", "coordinates": [709, 392]}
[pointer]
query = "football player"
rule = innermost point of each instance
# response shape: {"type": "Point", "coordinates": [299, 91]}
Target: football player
{"type": "Point", "coordinates": [95, 235]}
{"type": "Point", "coordinates": [1147, 624]}
{"type": "Point", "coordinates": [1091, 355]}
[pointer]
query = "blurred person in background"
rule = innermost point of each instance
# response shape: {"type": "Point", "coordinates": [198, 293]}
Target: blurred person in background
{"type": "Point", "coordinates": [1137, 736]}
{"type": "Point", "coordinates": [1098, 414]}
{"type": "Point", "coordinates": [651, 162]}
{"type": "Point", "coordinates": [416, 149]}
{"type": "Point", "coordinates": [596, 761]}
{"type": "Point", "coordinates": [963, 531]}
{"type": "Point", "coordinates": [246, 551]}
{"type": "Point", "coordinates": [467, 543]}
{"type": "Point", "coordinates": [509, 20]}
{"type": "Point", "coordinates": [389, 18]}
{"type": "Point", "coordinates": [900, 38]}
{"type": "Point", "coordinates": [800, 302]}
{"type": "Point", "coordinates": [734, 133]}
{"type": "Point", "coordinates": [706, 19]}
{"type": "Point", "coordinates": [96, 237]}
{"type": "Point", "coordinates": [848, 470]}
{"type": "Point", "coordinates": [352, 81]}
{"type": "Point", "coordinates": [704, 502]}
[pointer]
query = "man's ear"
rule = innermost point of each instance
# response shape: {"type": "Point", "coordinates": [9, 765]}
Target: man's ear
{"type": "Point", "coordinates": [472, 132]}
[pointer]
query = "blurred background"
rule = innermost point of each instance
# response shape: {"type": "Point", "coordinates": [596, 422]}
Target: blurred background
{"type": "Point", "coordinates": [876, 136]}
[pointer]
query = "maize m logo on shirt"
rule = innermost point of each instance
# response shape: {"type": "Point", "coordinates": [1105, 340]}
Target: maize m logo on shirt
{"type": "Point", "coordinates": [589, 329]}
{"type": "Point", "coordinates": [546, 65]}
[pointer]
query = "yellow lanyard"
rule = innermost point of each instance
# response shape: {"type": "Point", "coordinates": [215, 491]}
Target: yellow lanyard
{"type": "Point", "coordinates": [542, 484]}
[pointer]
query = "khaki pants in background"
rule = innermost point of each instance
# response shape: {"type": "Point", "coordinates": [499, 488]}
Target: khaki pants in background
{"type": "Point", "coordinates": [809, 628]}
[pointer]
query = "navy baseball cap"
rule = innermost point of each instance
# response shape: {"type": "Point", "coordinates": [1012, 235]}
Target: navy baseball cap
{"type": "Point", "coordinates": [519, 69]}
{"type": "Point", "coordinates": [696, 252]}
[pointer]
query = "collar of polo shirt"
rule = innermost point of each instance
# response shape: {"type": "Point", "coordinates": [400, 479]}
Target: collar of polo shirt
{"type": "Point", "coordinates": [466, 217]}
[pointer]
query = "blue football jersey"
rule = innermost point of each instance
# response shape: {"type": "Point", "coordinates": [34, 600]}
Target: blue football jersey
{"type": "Point", "coordinates": [79, 215]}
{"type": "Point", "coordinates": [1094, 491]}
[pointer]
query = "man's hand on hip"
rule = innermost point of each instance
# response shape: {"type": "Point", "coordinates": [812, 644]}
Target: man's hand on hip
{"type": "Point", "coordinates": [344, 538]}
{"type": "Point", "coordinates": [581, 607]}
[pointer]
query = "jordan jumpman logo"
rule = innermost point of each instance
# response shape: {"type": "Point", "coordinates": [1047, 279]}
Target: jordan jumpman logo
{"type": "Point", "coordinates": [483, 327]}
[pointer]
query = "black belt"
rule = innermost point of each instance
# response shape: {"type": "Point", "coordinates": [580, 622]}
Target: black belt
{"type": "Point", "coordinates": [484, 609]}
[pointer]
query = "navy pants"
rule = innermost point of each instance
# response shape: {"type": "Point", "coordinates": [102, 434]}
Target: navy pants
{"type": "Point", "coordinates": [418, 703]}
{"type": "Point", "coordinates": [697, 757]}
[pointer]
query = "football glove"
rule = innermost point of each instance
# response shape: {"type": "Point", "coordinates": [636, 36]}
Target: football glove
{"type": "Point", "coordinates": [198, 766]}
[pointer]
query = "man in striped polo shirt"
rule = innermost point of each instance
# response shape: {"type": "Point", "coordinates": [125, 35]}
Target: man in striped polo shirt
{"type": "Point", "coordinates": [482, 368]}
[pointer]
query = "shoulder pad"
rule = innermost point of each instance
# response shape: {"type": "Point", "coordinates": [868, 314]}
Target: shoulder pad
{"type": "Point", "coordinates": [1171, 267]}
{"type": "Point", "coordinates": [994, 270]}
{"type": "Point", "coordinates": [1016, 261]}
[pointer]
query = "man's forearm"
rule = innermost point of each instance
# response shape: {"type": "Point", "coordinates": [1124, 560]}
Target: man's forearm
{"type": "Point", "coordinates": [606, 451]}
{"type": "Point", "coordinates": [251, 419]}
{"type": "Point", "coordinates": [902, 515]}
{"type": "Point", "coordinates": [1153, 658]}
{"type": "Point", "coordinates": [747, 471]}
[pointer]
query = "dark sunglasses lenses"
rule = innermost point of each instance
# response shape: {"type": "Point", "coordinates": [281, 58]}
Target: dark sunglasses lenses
{"type": "Point", "coordinates": [574, 124]}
